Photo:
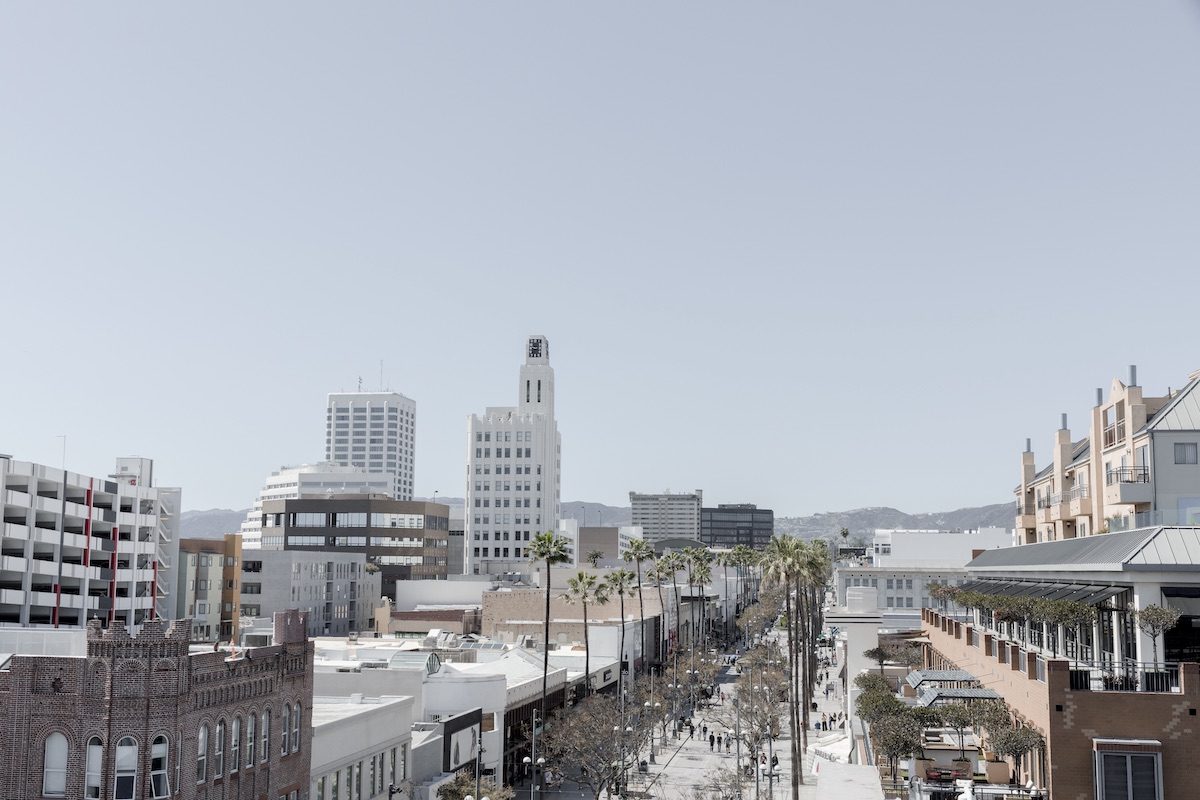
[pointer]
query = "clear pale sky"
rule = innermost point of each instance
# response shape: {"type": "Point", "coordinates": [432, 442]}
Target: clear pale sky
{"type": "Point", "coordinates": [816, 256]}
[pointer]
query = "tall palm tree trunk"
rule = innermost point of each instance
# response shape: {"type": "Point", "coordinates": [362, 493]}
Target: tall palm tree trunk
{"type": "Point", "coordinates": [587, 654]}
{"type": "Point", "coordinates": [546, 645]}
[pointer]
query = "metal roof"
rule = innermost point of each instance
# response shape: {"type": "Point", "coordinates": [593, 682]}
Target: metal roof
{"type": "Point", "coordinates": [931, 696]}
{"type": "Point", "coordinates": [1181, 413]}
{"type": "Point", "coordinates": [919, 676]}
{"type": "Point", "coordinates": [1105, 549]}
{"type": "Point", "coordinates": [1171, 547]}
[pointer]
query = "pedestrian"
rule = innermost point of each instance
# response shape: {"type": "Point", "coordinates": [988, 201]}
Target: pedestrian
{"type": "Point", "coordinates": [704, 729]}
{"type": "Point", "coordinates": [824, 722]}
{"type": "Point", "coordinates": [691, 731]}
{"type": "Point", "coordinates": [774, 761]}
{"type": "Point", "coordinates": [728, 744]}
{"type": "Point", "coordinates": [712, 742]}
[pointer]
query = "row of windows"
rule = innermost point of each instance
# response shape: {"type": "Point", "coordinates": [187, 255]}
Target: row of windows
{"type": "Point", "coordinates": [486, 452]}
{"type": "Point", "coordinates": [485, 502]}
{"type": "Point", "coordinates": [496, 552]}
{"type": "Point", "coordinates": [518, 536]}
{"type": "Point", "coordinates": [486, 469]}
{"type": "Point", "coordinates": [486, 436]}
{"type": "Point", "coordinates": [380, 771]}
{"type": "Point", "coordinates": [503, 519]}
{"type": "Point", "coordinates": [56, 756]}
{"type": "Point", "coordinates": [486, 486]}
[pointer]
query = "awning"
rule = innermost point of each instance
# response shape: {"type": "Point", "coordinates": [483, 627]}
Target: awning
{"type": "Point", "coordinates": [931, 696]}
{"type": "Point", "coordinates": [919, 676]}
{"type": "Point", "coordinates": [1081, 592]}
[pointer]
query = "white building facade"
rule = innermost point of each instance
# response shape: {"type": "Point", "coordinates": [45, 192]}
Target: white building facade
{"type": "Point", "coordinates": [667, 515]}
{"type": "Point", "coordinates": [75, 547]}
{"type": "Point", "coordinates": [309, 480]}
{"type": "Point", "coordinates": [376, 431]}
{"type": "Point", "coordinates": [514, 456]}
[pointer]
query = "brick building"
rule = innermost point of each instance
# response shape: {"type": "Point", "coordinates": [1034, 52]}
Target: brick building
{"type": "Point", "coordinates": [142, 717]}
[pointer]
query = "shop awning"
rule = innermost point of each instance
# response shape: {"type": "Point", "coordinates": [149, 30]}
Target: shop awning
{"type": "Point", "coordinates": [1048, 590]}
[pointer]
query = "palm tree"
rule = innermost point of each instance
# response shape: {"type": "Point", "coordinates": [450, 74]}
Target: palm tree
{"type": "Point", "coordinates": [620, 583]}
{"type": "Point", "coordinates": [693, 558]}
{"type": "Point", "coordinates": [584, 589]}
{"type": "Point", "coordinates": [668, 566]}
{"type": "Point", "coordinates": [640, 550]}
{"type": "Point", "coordinates": [781, 566]}
{"type": "Point", "coordinates": [551, 549]}
{"type": "Point", "coordinates": [593, 557]}
{"type": "Point", "coordinates": [703, 575]}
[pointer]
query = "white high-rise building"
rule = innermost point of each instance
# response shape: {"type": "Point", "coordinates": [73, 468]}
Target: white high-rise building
{"type": "Point", "coordinates": [376, 431]}
{"type": "Point", "coordinates": [309, 480]}
{"type": "Point", "coordinates": [514, 456]}
{"type": "Point", "coordinates": [667, 515]}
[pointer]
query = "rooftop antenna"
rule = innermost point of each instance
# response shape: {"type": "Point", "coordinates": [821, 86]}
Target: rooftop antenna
{"type": "Point", "coordinates": [381, 386]}
{"type": "Point", "coordinates": [360, 383]}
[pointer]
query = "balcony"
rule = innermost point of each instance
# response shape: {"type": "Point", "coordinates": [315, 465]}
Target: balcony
{"type": "Point", "coordinates": [1025, 515]}
{"type": "Point", "coordinates": [1079, 501]}
{"type": "Point", "coordinates": [1114, 434]}
{"type": "Point", "coordinates": [1126, 676]}
{"type": "Point", "coordinates": [1128, 485]}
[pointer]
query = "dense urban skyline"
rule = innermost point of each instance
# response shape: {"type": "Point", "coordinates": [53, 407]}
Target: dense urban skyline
{"type": "Point", "coordinates": [814, 258]}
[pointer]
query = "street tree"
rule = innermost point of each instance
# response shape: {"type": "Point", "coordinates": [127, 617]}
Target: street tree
{"type": "Point", "coordinates": [549, 549]}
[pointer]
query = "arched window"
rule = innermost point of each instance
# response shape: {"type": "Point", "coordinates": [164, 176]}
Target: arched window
{"type": "Point", "coordinates": [54, 766]}
{"type": "Point", "coordinates": [219, 751]}
{"type": "Point", "coordinates": [235, 745]}
{"type": "Point", "coordinates": [125, 783]}
{"type": "Point", "coordinates": [296, 728]}
{"type": "Point", "coordinates": [266, 735]}
{"type": "Point", "coordinates": [160, 782]}
{"type": "Point", "coordinates": [94, 769]}
{"type": "Point", "coordinates": [250, 740]}
{"type": "Point", "coordinates": [285, 730]}
{"type": "Point", "coordinates": [202, 755]}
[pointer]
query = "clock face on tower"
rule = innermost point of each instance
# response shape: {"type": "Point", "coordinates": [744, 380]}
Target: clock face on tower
{"type": "Point", "coordinates": [535, 348]}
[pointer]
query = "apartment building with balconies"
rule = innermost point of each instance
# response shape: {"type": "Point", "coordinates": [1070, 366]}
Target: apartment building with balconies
{"type": "Point", "coordinates": [1137, 465]}
{"type": "Point", "coordinates": [1112, 703]}
{"type": "Point", "coordinates": [76, 547]}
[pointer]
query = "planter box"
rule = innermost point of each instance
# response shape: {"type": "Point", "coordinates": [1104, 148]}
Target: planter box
{"type": "Point", "coordinates": [997, 771]}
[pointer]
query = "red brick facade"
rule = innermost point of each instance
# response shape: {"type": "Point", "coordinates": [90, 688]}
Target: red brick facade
{"type": "Point", "coordinates": [150, 688]}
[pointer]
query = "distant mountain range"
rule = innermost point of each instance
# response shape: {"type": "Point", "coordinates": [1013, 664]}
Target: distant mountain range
{"type": "Point", "coordinates": [215, 522]}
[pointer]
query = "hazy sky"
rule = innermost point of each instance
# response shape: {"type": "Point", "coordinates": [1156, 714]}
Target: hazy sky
{"type": "Point", "coordinates": [816, 256]}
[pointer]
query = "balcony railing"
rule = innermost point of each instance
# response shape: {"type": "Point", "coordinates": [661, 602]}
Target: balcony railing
{"type": "Point", "coordinates": [1114, 433]}
{"type": "Point", "coordinates": [1146, 519]}
{"type": "Point", "coordinates": [1024, 508]}
{"type": "Point", "coordinates": [1125, 676]}
{"type": "Point", "coordinates": [1127, 475]}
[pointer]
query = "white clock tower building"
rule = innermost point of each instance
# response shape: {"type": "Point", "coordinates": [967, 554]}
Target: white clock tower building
{"type": "Point", "coordinates": [513, 462]}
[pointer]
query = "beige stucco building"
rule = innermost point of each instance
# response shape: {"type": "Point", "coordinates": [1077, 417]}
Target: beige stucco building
{"type": "Point", "coordinates": [1136, 465]}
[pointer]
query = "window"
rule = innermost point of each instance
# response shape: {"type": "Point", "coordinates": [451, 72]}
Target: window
{"type": "Point", "coordinates": [160, 784]}
{"type": "Point", "coordinates": [266, 735]}
{"type": "Point", "coordinates": [250, 726]}
{"type": "Point", "coordinates": [296, 728]}
{"type": "Point", "coordinates": [202, 755]}
{"type": "Point", "coordinates": [54, 766]}
{"type": "Point", "coordinates": [235, 745]}
{"type": "Point", "coordinates": [219, 751]}
{"type": "Point", "coordinates": [1131, 776]}
{"type": "Point", "coordinates": [286, 731]}
{"type": "Point", "coordinates": [94, 769]}
{"type": "Point", "coordinates": [1185, 453]}
{"type": "Point", "coordinates": [125, 783]}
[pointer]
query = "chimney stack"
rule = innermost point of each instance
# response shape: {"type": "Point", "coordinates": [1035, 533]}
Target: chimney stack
{"type": "Point", "coordinates": [1099, 397]}
{"type": "Point", "coordinates": [1133, 375]}
{"type": "Point", "coordinates": [1064, 421]}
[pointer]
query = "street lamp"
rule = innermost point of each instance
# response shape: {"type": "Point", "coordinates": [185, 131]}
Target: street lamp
{"type": "Point", "coordinates": [652, 711]}
{"type": "Point", "coordinates": [533, 767]}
